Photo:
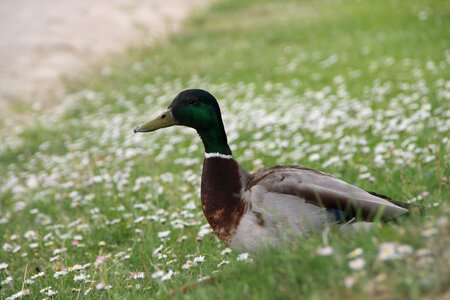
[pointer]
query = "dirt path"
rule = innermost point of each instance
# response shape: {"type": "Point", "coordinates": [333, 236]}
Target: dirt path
{"type": "Point", "coordinates": [42, 40]}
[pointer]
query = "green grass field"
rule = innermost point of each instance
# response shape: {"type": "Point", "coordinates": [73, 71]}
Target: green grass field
{"type": "Point", "coordinates": [358, 89]}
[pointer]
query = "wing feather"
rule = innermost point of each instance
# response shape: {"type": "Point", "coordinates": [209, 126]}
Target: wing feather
{"type": "Point", "coordinates": [325, 191]}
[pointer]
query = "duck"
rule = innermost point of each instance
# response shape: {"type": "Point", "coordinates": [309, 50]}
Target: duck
{"type": "Point", "coordinates": [250, 211]}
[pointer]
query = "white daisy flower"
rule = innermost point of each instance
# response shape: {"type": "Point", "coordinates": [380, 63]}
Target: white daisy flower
{"type": "Point", "coordinates": [357, 264]}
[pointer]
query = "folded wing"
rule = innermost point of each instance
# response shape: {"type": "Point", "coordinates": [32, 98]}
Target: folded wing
{"type": "Point", "coordinates": [324, 191]}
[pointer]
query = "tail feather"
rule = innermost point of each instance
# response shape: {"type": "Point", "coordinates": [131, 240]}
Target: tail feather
{"type": "Point", "coordinates": [413, 208]}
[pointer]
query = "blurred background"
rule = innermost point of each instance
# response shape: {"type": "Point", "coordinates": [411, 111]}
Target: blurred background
{"type": "Point", "coordinates": [42, 41]}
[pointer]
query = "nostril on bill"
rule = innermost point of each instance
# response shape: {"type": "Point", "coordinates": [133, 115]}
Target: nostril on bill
{"type": "Point", "coordinates": [163, 116]}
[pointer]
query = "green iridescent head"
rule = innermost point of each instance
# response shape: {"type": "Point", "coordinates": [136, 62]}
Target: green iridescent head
{"type": "Point", "coordinates": [199, 110]}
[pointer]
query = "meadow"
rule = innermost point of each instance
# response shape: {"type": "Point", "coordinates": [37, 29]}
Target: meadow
{"type": "Point", "coordinates": [358, 89]}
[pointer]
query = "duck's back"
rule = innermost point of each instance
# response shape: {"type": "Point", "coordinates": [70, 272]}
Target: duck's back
{"type": "Point", "coordinates": [323, 190]}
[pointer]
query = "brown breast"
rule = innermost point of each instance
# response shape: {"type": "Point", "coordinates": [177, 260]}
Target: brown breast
{"type": "Point", "coordinates": [221, 196]}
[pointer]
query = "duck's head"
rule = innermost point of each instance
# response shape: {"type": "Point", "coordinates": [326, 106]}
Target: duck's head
{"type": "Point", "coordinates": [197, 109]}
{"type": "Point", "coordinates": [193, 108]}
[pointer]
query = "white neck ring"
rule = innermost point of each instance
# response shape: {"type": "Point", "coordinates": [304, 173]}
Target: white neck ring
{"type": "Point", "coordinates": [216, 154]}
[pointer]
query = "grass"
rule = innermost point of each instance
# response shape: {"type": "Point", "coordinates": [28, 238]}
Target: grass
{"type": "Point", "coordinates": [358, 89]}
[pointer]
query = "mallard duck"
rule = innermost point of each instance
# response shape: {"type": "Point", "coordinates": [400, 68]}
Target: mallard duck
{"type": "Point", "coordinates": [250, 211]}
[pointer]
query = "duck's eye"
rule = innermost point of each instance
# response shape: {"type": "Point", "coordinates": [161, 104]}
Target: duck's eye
{"type": "Point", "coordinates": [192, 101]}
